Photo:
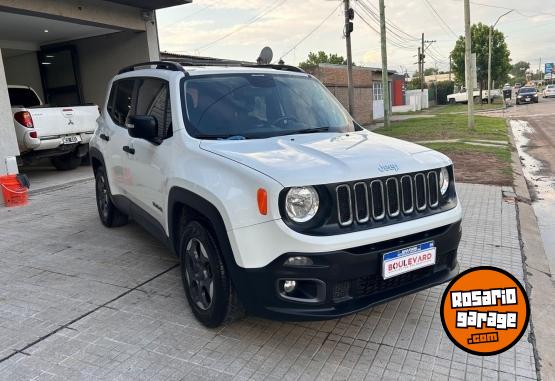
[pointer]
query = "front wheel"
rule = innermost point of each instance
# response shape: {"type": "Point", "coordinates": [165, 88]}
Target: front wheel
{"type": "Point", "coordinates": [205, 279]}
{"type": "Point", "coordinates": [66, 162]}
{"type": "Point", "coordinates": [452, 101]}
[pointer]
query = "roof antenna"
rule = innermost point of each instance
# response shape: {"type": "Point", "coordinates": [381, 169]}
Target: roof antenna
{"type": "Point", "coordinates": [266, 56]}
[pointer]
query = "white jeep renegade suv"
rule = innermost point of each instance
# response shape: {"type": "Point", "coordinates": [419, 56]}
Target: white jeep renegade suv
{"type": "Point", "coordinates": [273, 198]}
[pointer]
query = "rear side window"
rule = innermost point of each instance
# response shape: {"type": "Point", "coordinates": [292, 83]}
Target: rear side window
{"type": "Point", "coordinates": [23, 97]}
{"type": "Point", "coordinates": [153, 99]}
{"type": "Point", "coordinates": [120, 103]}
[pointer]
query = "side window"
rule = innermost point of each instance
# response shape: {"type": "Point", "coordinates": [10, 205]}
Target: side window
{"type": "Point", "coordinates": [120, 103]}
{"type": "Point", "coordinates": [153, 99]}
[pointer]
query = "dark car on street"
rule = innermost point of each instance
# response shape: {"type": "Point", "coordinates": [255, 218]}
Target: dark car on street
{"type": "Point", "coordinates": [527, 95]}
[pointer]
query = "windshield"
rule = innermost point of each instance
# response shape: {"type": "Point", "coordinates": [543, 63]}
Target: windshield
{"type": "Point", "coordinates": [250, 106]}
{"type": "Point", "coordinates": [525, 90]}
{"type": "Point", "coordinates": [23, 97]}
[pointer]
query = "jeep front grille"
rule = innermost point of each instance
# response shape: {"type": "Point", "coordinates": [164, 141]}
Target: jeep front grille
{"type": "Point", "coordinates": [365, 202]}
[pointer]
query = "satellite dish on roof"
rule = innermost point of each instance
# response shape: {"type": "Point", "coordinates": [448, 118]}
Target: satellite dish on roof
{"type": "Point", "coordinates": [266, 56]}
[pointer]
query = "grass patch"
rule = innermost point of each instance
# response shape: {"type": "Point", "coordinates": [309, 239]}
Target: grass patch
{"type": "Point", "coordinates": [462, 108]}
{"type": "Point", "coordinates": [447, 127]}
{"type": "Point", "coordinates": [456, 108]}
{"type": "Point", "coordinates": [503, 153]}
{"type": "Point", "coordinates": [481, 164]}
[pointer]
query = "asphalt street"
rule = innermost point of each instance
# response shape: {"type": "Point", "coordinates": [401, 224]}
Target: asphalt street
{"type": "Point", "coordinates": [534, 129]}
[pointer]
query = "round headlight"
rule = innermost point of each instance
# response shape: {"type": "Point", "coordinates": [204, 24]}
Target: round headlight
{"type": "Point", "coordinates": [301, 203]}
{"type": "Point", "coordinates": [443, 181]}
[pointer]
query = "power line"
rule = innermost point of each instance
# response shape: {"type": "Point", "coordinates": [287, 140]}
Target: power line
{"type": "Point", "coordinates": [441, 18]}
{"type": "Point", "coordinates": [189, 16]}
{"type": "Point", "coordinates": [390, 41]}
{"type": "Point", "coordinates": [520, 11]}
{"type": "Point", "coordinates": [395, 38]}
{"type": "Point", "coordinates": [249, 23]}
{"type": "Point", "coordinates": [311, 32]}
{"type": "Point", "coordinates": [393, 33]}
{"type": "Point", "coordinates": [394, 26]}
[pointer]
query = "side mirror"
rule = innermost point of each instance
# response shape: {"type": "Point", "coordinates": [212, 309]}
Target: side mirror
{"type": "Point", "coordinates": [143, 127]}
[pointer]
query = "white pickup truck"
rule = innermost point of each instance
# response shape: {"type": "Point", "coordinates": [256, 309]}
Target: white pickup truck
{"type": "Point", "coordinates": [461, 96]}
{"type": "Point", "coordinates": [61, 134]}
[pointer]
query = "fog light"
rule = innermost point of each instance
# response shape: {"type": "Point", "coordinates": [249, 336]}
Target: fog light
{"type": "Point", "coordinates": [289, 286]}
{"type": "Point", "coordinates": [298, 261]}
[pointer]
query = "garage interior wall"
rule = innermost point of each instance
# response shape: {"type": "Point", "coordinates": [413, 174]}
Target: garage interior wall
{"type": "Point", "coordinates": [24, 70]}
{"type": "Point", "coordinates": [100, 58]}
{"type": "Point", "coordinates": [8, 141]}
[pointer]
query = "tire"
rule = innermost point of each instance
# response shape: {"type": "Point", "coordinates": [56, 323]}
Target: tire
{"type": "Point", "coordinates": [66, 162]}
{"type": "Point", "coordinates": [476, 100]}
{"type": "Point", "coordinates": [452, 101]}
{"type": "Point", "coordinates": [110, 216]}
{"type": "Point", "coordinates": [205, 279]}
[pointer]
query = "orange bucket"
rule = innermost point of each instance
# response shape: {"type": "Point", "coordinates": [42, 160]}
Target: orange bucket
{"type": "Point", "coordinates": [13, 192]}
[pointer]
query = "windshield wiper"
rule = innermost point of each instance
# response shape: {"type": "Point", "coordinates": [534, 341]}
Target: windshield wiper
{"type": "Point", "coordinates": [309, 130]}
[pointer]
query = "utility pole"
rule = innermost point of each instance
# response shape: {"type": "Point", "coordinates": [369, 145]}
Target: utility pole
{"type": "Point", "coordinates": [468, 65]}
{"type": "Point", "coordinates": [349, 15]}
{"type": "Point", "coordinates": [489, 52]}
{"type": "Point", "coordinates": [422, 65]}
{"type": "Point", "coordinates": [385, 79]}
{"type": "Point", "coordinates": [449, 67]}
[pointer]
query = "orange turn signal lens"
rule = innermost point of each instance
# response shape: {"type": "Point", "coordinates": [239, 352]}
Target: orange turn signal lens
{"type": "Point", "coordinates": [262, 198]}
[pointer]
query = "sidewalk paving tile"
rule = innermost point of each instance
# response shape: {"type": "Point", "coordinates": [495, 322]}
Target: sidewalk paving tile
{"type": "Point", "coordinates": [85, 302]}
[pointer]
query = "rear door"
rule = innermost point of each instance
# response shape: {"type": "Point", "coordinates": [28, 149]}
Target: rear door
{"type": "Point", "coordinates": [114, 136]}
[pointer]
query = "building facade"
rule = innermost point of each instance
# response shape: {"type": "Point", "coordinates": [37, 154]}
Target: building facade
{"type": "Point", "coordinates": [68, 50]}
{"type": "Point", "coordinates": [368, 89]}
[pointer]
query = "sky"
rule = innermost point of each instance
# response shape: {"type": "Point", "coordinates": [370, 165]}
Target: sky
{"type": "Point", "coordinates": [239, 29]}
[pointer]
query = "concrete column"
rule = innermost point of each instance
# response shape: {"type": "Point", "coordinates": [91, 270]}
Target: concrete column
{"type": "Point", "coordinates": [152, 38]}
{"type": "Point", "coordinates": [8, 140]}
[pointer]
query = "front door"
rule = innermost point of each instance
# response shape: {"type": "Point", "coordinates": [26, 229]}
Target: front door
{"type": "Point", "coordinates": [148, 163]}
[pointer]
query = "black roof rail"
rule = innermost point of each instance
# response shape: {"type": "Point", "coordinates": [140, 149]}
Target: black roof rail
{"type": "Point", "coordinates": [276, 67]}
{"type": "Point", "coordinates": [164, 65]}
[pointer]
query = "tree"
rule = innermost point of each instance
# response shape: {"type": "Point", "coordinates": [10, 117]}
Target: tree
{"type": "Point", "coordinates": [414, 83]}
{"type": "Point", "coordinates": [500, 56]}
{"type": "Point", "coordinates": [430, 71]}
{"type": "Point", "coordinates": [444, 88]}
{"type": "Point", "coordinates": [314, 59]}
{"type": "Point", "coordinates": [518, 71]}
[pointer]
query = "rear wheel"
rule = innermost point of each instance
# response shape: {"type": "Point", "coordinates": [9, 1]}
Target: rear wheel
{"type": "Point", "coordinates": [205, 279]}
{"type": "Point", "coordinates": [110, 216]}
{"type": "Point", "coordinates": [66, 162]}
{"type": "Point", "coordinates": [452, 101]}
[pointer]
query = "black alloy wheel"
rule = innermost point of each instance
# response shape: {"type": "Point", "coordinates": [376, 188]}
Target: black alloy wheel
{"type": "Point", "coordinates": [199, 274]}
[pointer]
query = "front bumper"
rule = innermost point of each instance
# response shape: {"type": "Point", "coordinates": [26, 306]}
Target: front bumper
{"type": "Point", "coordinates": [531, 100]}
{"type": "Point", "coordinates": [352, 278]}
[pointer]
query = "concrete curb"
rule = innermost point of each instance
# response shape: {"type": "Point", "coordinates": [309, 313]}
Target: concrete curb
{"type": "Point", "coordinates": [52, 188]}
{"type": "Point", "coordinates": [539, 283]}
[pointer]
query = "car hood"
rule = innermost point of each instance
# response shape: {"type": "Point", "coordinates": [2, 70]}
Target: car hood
{"type": "Point", "coordinates": [327, 158]}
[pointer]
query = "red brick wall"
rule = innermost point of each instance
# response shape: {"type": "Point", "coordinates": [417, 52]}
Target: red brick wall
{"type": "Point", "coordinates": [335, 79]}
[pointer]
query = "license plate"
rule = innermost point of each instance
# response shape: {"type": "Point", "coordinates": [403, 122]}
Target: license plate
{"type": "Point", "coordinates": [527, 99]}
{"type": "Point", "coordinates": [408, 259]}
{"type": "Point", "coordinates": [71, 139]}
